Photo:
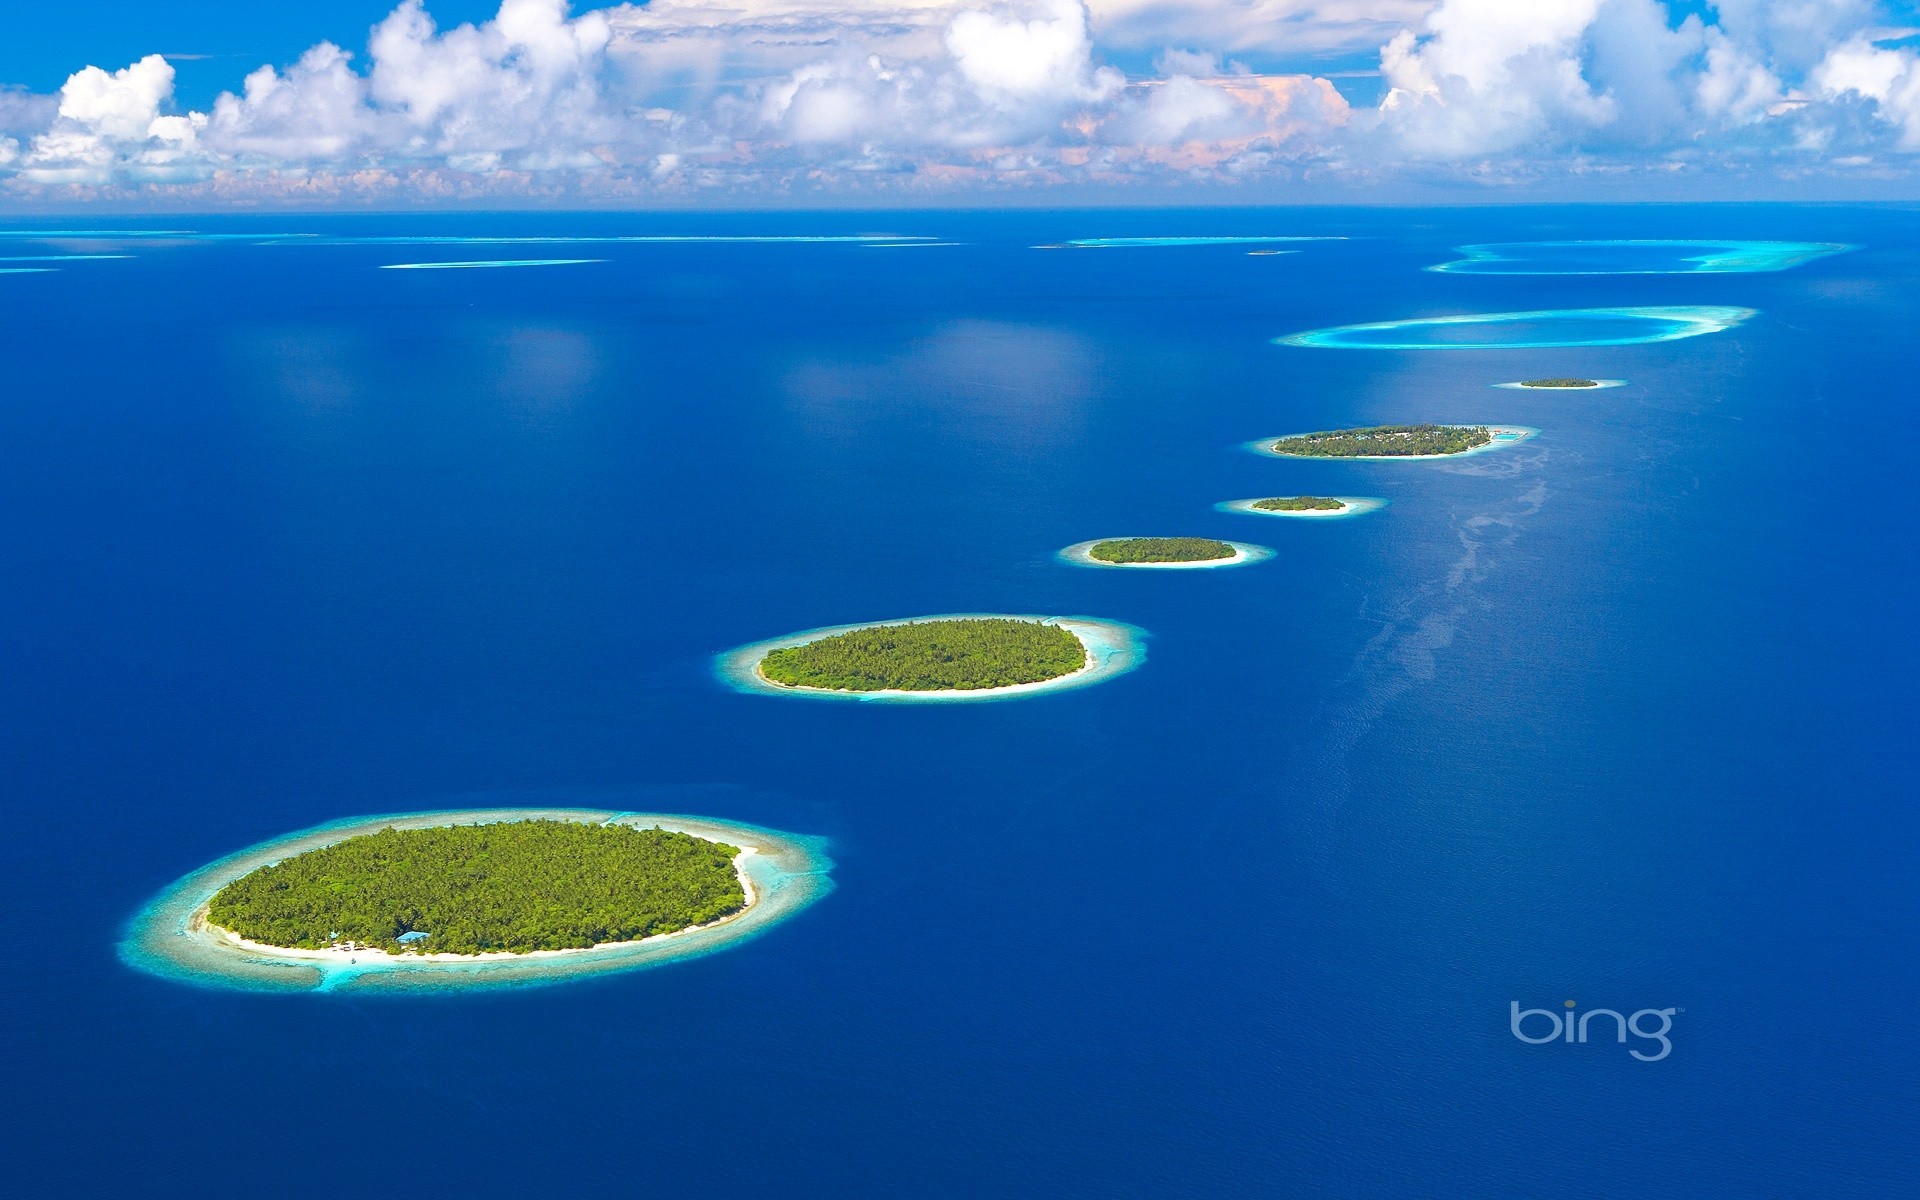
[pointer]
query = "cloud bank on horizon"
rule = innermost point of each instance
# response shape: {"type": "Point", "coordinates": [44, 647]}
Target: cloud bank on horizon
{"type": "Point", "coordinates": [685, 99]}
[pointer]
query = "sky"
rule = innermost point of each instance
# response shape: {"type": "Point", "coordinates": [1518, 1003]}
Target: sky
{"type": "Point", "coordinates": [531, 103]}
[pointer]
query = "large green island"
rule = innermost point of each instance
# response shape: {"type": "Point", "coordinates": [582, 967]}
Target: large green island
{"type": "Point", "coordinates": [426, 902]}
{"type": "Point", "coordinates": [503, 888]}
{"type": "Point", "coordinates": [926, 656]}
{"type": "Point", "coordinates": [940, 659]}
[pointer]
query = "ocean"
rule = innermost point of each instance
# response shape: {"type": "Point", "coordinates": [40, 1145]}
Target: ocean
{"type": "Point", "coordinates": [1622, 714]}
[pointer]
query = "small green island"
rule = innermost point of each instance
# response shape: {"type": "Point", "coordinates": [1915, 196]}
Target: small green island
{"type": "Point", "coordinates": [962, 654]}
{"type": "Point", "coordinates": [1385, 441]}
{"type": "Point", "coordinates": [1299, 504]}
{"type": "Point", "coordinates": [506, 887]}
{"type": "Point", "coordinates": [1560, 381]}
{"type": "Point", "coordinates": [1161, 550]}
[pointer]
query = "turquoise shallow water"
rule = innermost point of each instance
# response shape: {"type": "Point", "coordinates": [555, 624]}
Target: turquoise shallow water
{"type": "Point", "coordinates": [1545, 330]}
{"type": "Point", "coordinates": [1646, 256]}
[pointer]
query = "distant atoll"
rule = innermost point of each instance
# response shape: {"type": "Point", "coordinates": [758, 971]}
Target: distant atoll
{"type": "Point", "coordinates": [490, 262]}
{"type": "Point", "coordinates": [1163, 553]}
{"type": "Point", "coordinates": [1316, 508]}
{"type": "Point", "coordinates": [957, 657]}
{"type": "Point", "coordinates": [1562, 383]}
{"type": "Point", "coordinates": [1544, 330]}
{"type": "Point", "coordinates": [1635, 256]}
{"type": "Point", "coordinates": [478, 898]}
{"type": "Point", "coordinates": [1380, 442]}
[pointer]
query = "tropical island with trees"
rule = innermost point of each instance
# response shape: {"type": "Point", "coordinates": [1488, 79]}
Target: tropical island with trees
{"type": "Point", "coordinates": [1560, 381]}
{"type": "Point", "coordinates": [1384, 441]}
{"type": "Point", "coordinates": [1163, 553]}
{"type": "Point", "coordinates": [502, 888]}
{"type": "Point", "coordinates": [1300, 504]}
{"type": "Point", "coordinates": [1160, 550]}
{"type": "Point", "coordinates": [417, 903]}
{"type": "Point", "coordinates": [962, 654]}
{"type": "Point", "coordinates": [954, 658]}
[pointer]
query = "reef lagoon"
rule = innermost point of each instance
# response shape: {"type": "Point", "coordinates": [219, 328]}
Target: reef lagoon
{"type": "Point", "coordinates": [1648, 256]}
{"type": "Point", "coordinates": [1547, 329]}
{"type": "Point", "coordinates": [1355, 506]}
{"type": "Point", "coordinates": [170, 937]}
{"type": "Point", "coordinates": [1113, 649]}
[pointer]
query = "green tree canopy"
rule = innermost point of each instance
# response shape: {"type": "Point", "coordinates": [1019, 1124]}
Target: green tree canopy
{"type": "Point", "coordinates": [1299, 504]}
{"type": "Point", "coordinates": [1161, 550]}
{"type": "Point", "coordinates": [1388, 441]}
{"type": "Point", "coordinates": [927, 656]}
{"type": "Point", "coordinates": [506, 886]}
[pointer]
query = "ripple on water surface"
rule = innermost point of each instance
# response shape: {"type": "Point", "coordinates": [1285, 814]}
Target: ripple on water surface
{"type": "Point", "coordinates": [1546, 329]}
{"type": "Point", "coordinates": [1635, 257]}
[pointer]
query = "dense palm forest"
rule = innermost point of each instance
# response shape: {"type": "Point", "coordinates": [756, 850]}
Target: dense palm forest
{"type": "Point", "coordinates": [512, 886]}
{"type": "Point", "coordinates": [1564, 381]}
{"type": "Point", "coordinates": [1299, 504]}
{"type": "Point", "coordinates": [928, 656]}
{"type": "Point", "coordinates": [1161, 550]}
{"type": "Point", "coordinates": [1385, 440]}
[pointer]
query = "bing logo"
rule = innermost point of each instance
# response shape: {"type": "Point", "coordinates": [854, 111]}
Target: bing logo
{"type": "Point", "coordinates": [1539, 1026]}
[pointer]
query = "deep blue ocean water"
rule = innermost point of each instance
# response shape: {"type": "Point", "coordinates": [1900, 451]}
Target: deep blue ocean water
{"type": "Point", "coordinates": [1623, 715]}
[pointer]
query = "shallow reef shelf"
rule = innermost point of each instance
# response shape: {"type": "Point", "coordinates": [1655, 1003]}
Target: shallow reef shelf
{"type": "Point", "coordinates": [1646, 256]}
{"type": "Point", "coordinates": [1548, 329]}
{"type": "Point", "coordinates": [1113, 649]}
{"type": "Point", "coordinates": [1080, 554]}
{"type": "Point", "coordinates": [171, 938]}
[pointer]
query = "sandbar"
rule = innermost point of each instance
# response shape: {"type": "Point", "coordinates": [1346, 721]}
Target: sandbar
{"type": "Point", "coordinates": [1113, 648]}
{"type": "Point", "coordinates": [780, 873]}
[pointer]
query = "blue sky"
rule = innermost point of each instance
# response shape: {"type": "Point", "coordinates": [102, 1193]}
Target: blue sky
{"type": "Point", "coordinates": [673, 102]}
